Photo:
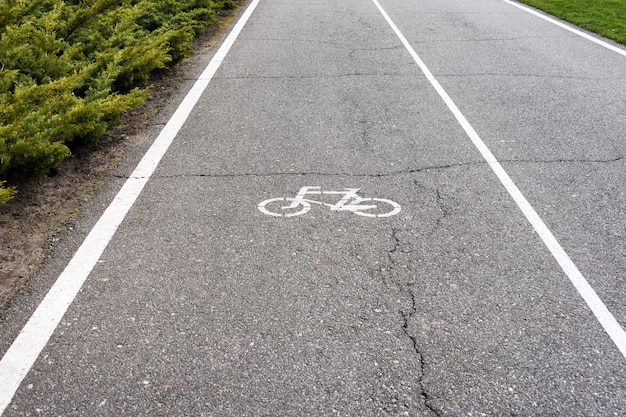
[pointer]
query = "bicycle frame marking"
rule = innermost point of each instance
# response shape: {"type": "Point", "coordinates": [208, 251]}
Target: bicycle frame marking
{"type": "Point", "coordinates": [341, 205]}
{"type": "Point", "coordinates": [349, 201]}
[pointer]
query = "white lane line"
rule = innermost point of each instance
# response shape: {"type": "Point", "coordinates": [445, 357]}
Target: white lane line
{"type": "Point", "coordinates": [604, 316]}
{"type": "Point", "coordinates": [28, 345]}
{"type": "Point", "coordinates": [567, 27]}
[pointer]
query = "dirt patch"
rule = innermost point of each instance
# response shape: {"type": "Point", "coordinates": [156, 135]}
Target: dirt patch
{"type": "Point", "coordinates": [40, 210]}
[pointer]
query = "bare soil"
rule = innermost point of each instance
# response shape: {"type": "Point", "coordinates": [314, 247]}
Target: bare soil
{"type": "Point", "coordinates": [40, 210]}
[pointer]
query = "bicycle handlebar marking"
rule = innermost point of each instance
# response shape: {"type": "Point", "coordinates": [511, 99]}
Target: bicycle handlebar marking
{"type": "Point", "coordinates": [350, 201]}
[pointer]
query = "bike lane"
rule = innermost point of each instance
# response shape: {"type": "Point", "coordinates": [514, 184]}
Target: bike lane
{"type": "Point", "coordinates": [204, 305]}
{"type": "Point", "coordinates": [546, 102]}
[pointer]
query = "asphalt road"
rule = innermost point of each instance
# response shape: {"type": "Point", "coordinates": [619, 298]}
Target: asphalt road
{"type": "Point", "coordinates": [204, 305]}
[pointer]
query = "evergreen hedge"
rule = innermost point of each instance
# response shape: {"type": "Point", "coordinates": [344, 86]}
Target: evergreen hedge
{"type": "Point", "coordinates": [69, 69]}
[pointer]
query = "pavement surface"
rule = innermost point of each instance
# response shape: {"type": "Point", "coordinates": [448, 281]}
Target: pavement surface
{"type": "Point", "coordinates": [204, 305]}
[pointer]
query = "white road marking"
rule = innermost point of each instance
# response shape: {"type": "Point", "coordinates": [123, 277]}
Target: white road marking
{"type": "Point", "coordinates": [599, 309]}
{"type": "Point", "coordinates": [350, 201]}
{"type": "Point", "coordinates": [567, 27]}
{"type": "Point", "coordinates": [26, 348]}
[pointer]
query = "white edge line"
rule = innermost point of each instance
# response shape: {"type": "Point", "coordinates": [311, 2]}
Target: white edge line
{"type": "Point", "coordinates": [26, 348]}
{"type": "Point", "coordinates": [599, 309]}
{"type": "Point", "coordinates": [567, 27]}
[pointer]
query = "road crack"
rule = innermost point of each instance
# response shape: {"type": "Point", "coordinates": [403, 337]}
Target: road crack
{"type": "Point", "coordinates": [526, 75]}
{"type": "Point", "coordinates": [408, 171]}
{"type": "Point", "coordinates": [309, 77]}
{"type": "Point", "coordinates": [395, 269]}
{"type": "Point", "coordinates": [303, 173]}
{"type": "Point", "coordinates": [407, 316]}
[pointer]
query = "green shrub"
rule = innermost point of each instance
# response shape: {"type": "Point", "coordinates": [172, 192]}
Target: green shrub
{"type": "Point", "coordinates": [69, 69]}
{"type": "Point", "coordinates": [6, 193]}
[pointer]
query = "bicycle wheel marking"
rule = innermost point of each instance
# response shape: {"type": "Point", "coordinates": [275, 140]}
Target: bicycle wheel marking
{"type": "Point", "coordinates": [277, 209]}
{"type": "Point", "coordinates": [349, 201]}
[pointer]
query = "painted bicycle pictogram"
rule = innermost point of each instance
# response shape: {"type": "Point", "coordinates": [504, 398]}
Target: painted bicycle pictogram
{"type": "Point", "coordinates": [349, 201]}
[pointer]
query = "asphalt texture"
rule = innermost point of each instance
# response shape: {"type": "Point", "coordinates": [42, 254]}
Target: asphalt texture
{"type": "Point", "coordinates": [202, 305]}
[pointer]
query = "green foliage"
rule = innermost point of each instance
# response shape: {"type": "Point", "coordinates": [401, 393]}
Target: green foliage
{"type": "Point", "coordinates": [6, 193]}
{"type": "Point", "coordinates": [605, 17]}
{"type": "Point", "coordinates": [69, 69]}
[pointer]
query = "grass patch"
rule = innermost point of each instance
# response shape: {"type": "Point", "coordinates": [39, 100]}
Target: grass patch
{"type": "Point", "coordinates": [604, 17]}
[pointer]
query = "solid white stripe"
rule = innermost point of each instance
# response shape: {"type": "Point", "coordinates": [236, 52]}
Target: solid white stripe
{"type": "Point", "coordinates": [27, 347]}
{"type": "Point", "coordinates": [604, 316]}
{"type": "Point", "coordinates": [567, 27]}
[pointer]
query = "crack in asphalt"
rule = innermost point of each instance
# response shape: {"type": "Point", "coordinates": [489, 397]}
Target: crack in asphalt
{"type": "Point", "coordinates": [405, 328]}
{"type": "Point", "coordinates": [302, 174]}
{"type": "Point", "coordinates": [528, 75]}
{"type": "Point", "coordinates": [308, 173]}
{"type": "Point", "coordinates": [464, 40]}
{"type": "Point", "coordinates": [293, 40]}
{"type": "Point", "coordinates": [565, 161]}
{"type": "Point", "coordinates": [373, 175]}
{"type": "Point", "coordinates": [445, 211]}
{"type": "Point", "coordinates": [388, 48]}
{"type": "Point", "coordinates": [407, 316]}
{"type": "Point", "coordinates": [308, 77]}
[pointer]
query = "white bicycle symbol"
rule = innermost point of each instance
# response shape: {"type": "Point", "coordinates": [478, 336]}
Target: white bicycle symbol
{"type": "Point", "coordinates": [289, 207]}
